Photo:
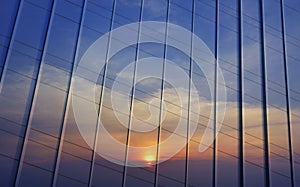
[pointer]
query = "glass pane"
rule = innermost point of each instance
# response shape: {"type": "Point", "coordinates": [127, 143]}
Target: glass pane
{"type": "Point", "coordinates": [8, 12]}
{"type": "Point", "coordinates": [227, 138]}
{"type": "Point", "coordinates": [33, 176]}
{"type": "Point", "coordinates": [15, 97]}
{"type": "Point", "coordinates": [40, 156]}
{"type": "Point", "coordinates": [74, 168]}
{"type": "Point", "coordinates": [62, 39]}
{"type": "Point", "coordinates": [48, 111]}
{"type": "Point", "coordinates": [7, 170]}
{"type": "Point", "coordinates": [31, 27]}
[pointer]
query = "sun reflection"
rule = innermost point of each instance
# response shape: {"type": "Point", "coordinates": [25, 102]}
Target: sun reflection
{"type": "Point", "coordinates": [149, 159]}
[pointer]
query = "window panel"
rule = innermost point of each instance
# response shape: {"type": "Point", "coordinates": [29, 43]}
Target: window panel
{"type": "Point", "coordinates": [40, 155]}
{"type": "Point", "coordinates": [252, 96]}
{"type": "Point", "coordinates": [7, 170]}
{"type": "Point", "coordinates": [227, 144]}
{"type": "Point", "coordinates": [118, 62]}
{"type": "Point", "coordinates": [31, 27]}
{"type": "Point", "coordinates": [15, 97]}
{"type": "Point", "coordinates": [11, 127]}
{"type": "Point", "coordinates": [33, 176]}
{"type": "Point", "coordinates": [179, 58]}
{"type": "Point", "coordinates": [126, 12]}
{"type": "Point", "coordinates": [97, 22]}
{"type": "Point", "coordinates": [3, 51]}
{"type": "Point", "coordinates": [228, 19]}
{"type": "Point", "coordinates": [232, 4]}
{"type": "Point", "coordinates": [136, 181]}
{"type": "Point", "coordinates": [62, 38]}
{"type": "Point", "coordinates": [297, 172]}
{"type": "Point", "coordinates": [10, 144]}
{"type": "Point", "coordinates": [276, 102]}
{"type": "Point", "coordinates": [279, 180]}
{"type": "Point", "coordinates": [106, 176]}
{"type": "Point", "coordinates": [227, 46]}
{"type": "Point", "coordinates": [72, 132]}
{"type": "Point", "coordinates": [4, 40]}
{"type": "Point", "coordinates": [171, 172]}
{"type": "Point", "coordinates": [204, 29]}
{"type": "Point", "coordinates": [48, 111]}
{"type": "Point", "coordinates": [58, 62]}
{"type": "Point", "coordinates": [146, 102]}
{"type": "Point", "coordinates": [65, 181]}
{"type": "Point", "coordinates": [180, 15]}
{"type": "Point", "coordinates": [295, 122]}
{"type": "Point", "coordinates": [154, 10]}
{"type": "Point", "coordinates": [254, 172]}
{"type": "Point", "coordinates": [99, 8]}
{"type": "Point", "coordinates": [117, 129]}
{"type": "Point", "coordinates": [23, 64]}
{"type": "Point", "coordinates": [68, 10]}
{"type": "Point", "coordinates": [55, 77]}
{"type": "Point", "coordinates": [167, 169]}
{"type": "Point", "coordinates": [43, 139]}
{"type": "Point", "coordinates": [8, 12]}
{"type": "Point", "coordinates": [200, 163]}
{"type": "Point", "coordinates": [75, 162]}
{"type": "Point", "coordinates": [87, 38]}
{"type": "Point", "coordinates": [293, 51]}
{"type": "Point", "coordinates": [24, 49]}
{"type": "Point", "coordinates": [291, 17]}
{"type": "Point", "coordinates": [73, 149]}
{"type": "Point", "coordinates": [74, 168]}
{"type": "Point", "coordinates": [43, 4]}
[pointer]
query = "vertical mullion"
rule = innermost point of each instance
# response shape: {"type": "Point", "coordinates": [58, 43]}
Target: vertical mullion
{"type": "Point", "coordinates": [132, 95]}
{"type": "Point", "coordinates": [240, 96]}
{"type": "Point", "coordinates": [287, 94]}
{"type": "Point", "coordinates": [189, 98]}
{"type": "Point", "coordinates": [101, 96]}
{"type": "Point", "coordinates": [215, 93]}
{"type": "Point", "coordinates": [161, 96]}
{"type": "Point", "coordinates": [68, 99]}
{"type": "Point", "coordinates": [264, 95]}
{"type": "Point", "coordinates": [9, 48]}
{"type": "Point", "coordinates": [34, 97]}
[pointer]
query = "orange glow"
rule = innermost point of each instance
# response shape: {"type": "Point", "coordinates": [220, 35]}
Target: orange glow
{"type": "Point", "coordinates": [149, 159]}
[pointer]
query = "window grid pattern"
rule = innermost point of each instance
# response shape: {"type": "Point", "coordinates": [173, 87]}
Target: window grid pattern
{"type": "Point", "coordinates": [57, 145]}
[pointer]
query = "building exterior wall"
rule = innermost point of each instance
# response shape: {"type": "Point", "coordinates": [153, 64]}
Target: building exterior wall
{"type": "Point", "coordinates": [254, 43]}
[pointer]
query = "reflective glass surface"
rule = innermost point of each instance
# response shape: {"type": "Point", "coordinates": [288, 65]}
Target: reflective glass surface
{"type": "Point", "coordinates": [149, 93]}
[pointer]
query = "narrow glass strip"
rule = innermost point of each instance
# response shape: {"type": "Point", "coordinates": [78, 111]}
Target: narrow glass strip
{"type": "Point", "coordinates": [287, 94]}
{"type": "Point", "coordinates": [68, 99]}
{"type": "Point", "coordinates": [34, 97]}
{"type": "Point", "coordinates": [264, 96]}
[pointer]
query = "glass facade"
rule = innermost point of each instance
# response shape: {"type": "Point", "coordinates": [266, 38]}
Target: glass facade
{"type": "Point", "coordinates": [254, 43]}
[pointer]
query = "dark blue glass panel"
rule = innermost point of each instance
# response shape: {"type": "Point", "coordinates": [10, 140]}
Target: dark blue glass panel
{"type": "Point", "coordinates": [23, 64]}
{"type": "Point", "coordinates": [46, 4]}
{"type": "Point", "coordinates": [68, 10]}
{"type": "Point", "coordinates": [8, 11]}
{"type": "Point", "coordinates": [12, 149]}
{"type": "Point", "coordinates": [31, 28]}
{"type": "Point", "coordinates": [7, 170]}
{"type": "Point", "coordinates": [40, 155]}
{"type": "Point", "coordinates": [33, 176]}
{"type": "Point", "coordinates": [74, 167]}
{"type": "Point", "coordinates": [62, 38]}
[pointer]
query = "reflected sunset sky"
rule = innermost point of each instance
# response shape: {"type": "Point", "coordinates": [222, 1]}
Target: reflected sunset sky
{"type": "Point", "coordinates": [49, 39]}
